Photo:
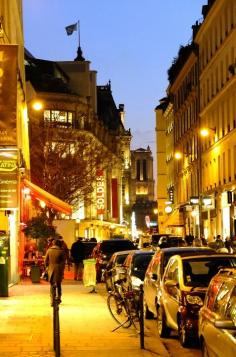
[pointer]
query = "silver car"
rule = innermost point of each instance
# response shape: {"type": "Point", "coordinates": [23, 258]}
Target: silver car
{"type": "Point", "coordinates": [217, 317]}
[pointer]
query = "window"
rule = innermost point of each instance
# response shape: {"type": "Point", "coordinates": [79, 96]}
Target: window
{"type": "Point", "coordinates": [58, 116]}
{"type": "Point", "coordinates": [172, 272]}
{"type": "Point", "coordinates": [138, 170]}
{"type": "Point", "coordinates": [144, 170]}
{"type": "Point", "coordinates": [222, 299]}
{"type": "Point", "coordinates": [230, 312]}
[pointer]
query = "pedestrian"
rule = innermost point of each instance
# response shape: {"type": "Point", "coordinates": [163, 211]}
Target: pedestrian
{"type": "Point", "coordinates": [77, 257]}
{"type": "Point", "coordinates": [55, 262]}
{"type": "Point", "coordinates": [204, 241]}
{"type": "Point", "coordinates": [66, 250]}
{"type": "Point", "coordinates": [228, 244]}
{"type": "Point", "coordinates": [219, 242]}
{"type": "Point", "coordinates": [197, 242]}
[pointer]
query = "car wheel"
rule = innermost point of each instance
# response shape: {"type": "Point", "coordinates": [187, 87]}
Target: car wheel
{"type": "Point", "coordinates": [204, 350]}
{"type": "Point", "coordinates": [163, 329]}
{"type": "Point", "coordinates": [147, 313]}
{"type": "Point", "coordinates": [184, 337]}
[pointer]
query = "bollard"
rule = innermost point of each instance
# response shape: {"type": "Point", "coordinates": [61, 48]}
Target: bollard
{"type": "Point", "coordinates": [56, 327]}
{"type": "Point", "coordinates": [141, 319]}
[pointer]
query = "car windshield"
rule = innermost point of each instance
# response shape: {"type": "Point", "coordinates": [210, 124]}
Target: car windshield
{"type": "Point", "coordinates": [186, 251]}
{"type": "Point", "coordinates": [140, 264]}
{"type": "Point", "coordinates": [199, 272]}
{"type": "Point", "coordinates": [116, 246]}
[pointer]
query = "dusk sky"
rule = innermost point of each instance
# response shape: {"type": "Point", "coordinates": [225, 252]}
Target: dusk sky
{"type": "Point", "coordinates": [130, 42]}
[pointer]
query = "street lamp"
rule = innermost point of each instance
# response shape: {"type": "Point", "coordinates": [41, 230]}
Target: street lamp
{"type": "Point", "coordinates": [205, 132]}
{"type": "Point", "coordinates": [37, 105]}
{"type": "Point", "coordinates": [178, 155]}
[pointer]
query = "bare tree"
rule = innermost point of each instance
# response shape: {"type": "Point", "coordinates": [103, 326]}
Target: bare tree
{"type": "Point", "coordinates": [64, 162]}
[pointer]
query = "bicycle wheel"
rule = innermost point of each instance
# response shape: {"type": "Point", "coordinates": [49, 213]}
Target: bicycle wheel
{"type": "Point", "coordinates": [117, 310]}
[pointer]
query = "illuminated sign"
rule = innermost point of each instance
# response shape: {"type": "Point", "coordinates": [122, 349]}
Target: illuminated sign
{"type": "Point", "coordinates": [8, 179]}
{"type": "Point", "coordinates": [7, 165]}
{"type": "Point", "coordinates": [8, 94]}
{"type": "Point", "coordinates": [100, 192]}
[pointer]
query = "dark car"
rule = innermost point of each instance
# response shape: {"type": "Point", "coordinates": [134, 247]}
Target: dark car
{"type": "Point", "coordinates": [217, 317]}
{"type": "Point", "coordinates": [114, 268]}
{"type": "Point", "coordinates": [88, 248]}
{"type": "Point", "coordinates": [135, 266]}
{"type": "Point", "coordinates": [155, 271]}
{"type": "Point", "coordinates": [103, 251]}
{"type": "Point", "coordinates": [171, 241]}
{"type": "Point", "coordinates": [182, 292]}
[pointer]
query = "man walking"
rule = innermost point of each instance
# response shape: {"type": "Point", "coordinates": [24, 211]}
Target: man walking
{"type": "Point", "coordinates": [77, 255]}
{"type": "Point", "coordinates": [55, 261]}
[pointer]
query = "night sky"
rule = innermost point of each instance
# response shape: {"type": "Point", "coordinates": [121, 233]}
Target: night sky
{"type": "Point", "coordinates": [130, 42]}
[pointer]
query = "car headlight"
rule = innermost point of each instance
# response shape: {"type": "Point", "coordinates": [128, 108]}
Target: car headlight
{"type": "Point", "coordinates": [194, 300]}
{"type": "Point", "coordinates": [136, 282]}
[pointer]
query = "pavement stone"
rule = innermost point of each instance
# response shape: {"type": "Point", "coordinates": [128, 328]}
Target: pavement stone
{"type": "Point", "coordinates": [26, 328]}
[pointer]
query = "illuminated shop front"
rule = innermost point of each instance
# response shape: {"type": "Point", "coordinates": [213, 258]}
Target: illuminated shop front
{"type": "Point", "coordinates": [225, 212]}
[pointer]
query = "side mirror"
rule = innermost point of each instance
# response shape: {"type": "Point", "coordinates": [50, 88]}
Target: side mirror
{"type": "Point", "coordinates": [225, 324]}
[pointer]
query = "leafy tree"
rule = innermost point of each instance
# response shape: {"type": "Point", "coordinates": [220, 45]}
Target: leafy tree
{"type": "Point", "coordinates": [39, 229]}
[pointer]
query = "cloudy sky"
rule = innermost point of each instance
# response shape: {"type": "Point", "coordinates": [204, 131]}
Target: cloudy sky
{"type": "Point", "coordinates": [129, 42]}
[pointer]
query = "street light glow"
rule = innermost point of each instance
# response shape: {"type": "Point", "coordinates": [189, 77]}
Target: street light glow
{"type": "Point", "coordinates": [178, 155]}
{"type": "Point", "coordinates": [37, 105]}
{"type": "Point", "coordinates": [204, 132]}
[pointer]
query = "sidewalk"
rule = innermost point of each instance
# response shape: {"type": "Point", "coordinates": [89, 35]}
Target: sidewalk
{"type": "Point", "coordinates": [85, 325]}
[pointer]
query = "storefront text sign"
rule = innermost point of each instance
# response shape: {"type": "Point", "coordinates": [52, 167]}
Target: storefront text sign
{"type": "Point", "coordinates": [8, 94]}
{"type": "Point", "coordinates": [8, 179]}
{"type": "Point", "coordinates": [100, 192]}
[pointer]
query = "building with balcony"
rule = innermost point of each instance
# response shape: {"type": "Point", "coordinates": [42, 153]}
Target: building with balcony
{"type": "Point", "coordinates": [184, 94]}
{"type": "Point", "coordinates": [83, 116]}
{"type": "Point", "coordinates": [216, 39]}
{"type": "Point", "coordinates": [170, 219]}
{"type": "Point", "coordinates": [202, 87]}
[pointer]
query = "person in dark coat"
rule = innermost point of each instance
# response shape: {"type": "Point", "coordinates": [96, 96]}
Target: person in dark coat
{"type": "Point", "coordinates": [55, 261]}
{"type": "Point", "coordinates": [77, 255]}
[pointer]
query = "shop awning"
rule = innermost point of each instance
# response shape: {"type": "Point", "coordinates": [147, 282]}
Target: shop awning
{"type": "Point", "coordinates": [48, 198]}
{"type": "Point", "coordinates": [175, 219]}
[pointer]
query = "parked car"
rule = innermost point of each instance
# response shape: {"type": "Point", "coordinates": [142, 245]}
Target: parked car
{"type": "Point", "coordinates": [171, 241]}
{"type": "Point", "coordinates": [88, 247]}
{"type": "Point", "coordinates": [135, 266]}
{"type": "Point", "coordinates": [103, 251]}
{"type": "Point", "coordinates": [217, 317]}
{"type": "Point", "coordinates": [182, 291]}
{"type": "Point", "coordinates": [114, 268]}
{"type": "Point", "coordinates": [155, 271]}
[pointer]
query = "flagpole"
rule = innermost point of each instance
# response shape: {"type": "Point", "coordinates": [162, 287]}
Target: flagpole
{"type": "Point", "coordinates": [79, 33]}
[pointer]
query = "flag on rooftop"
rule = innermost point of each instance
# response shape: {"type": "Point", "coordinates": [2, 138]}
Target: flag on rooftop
{"type": "Point", "coordinates": [71, 28]}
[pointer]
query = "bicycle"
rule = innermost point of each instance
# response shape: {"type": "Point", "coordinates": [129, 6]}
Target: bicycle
{"type": "Point", "coordinates": [123, 306]}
